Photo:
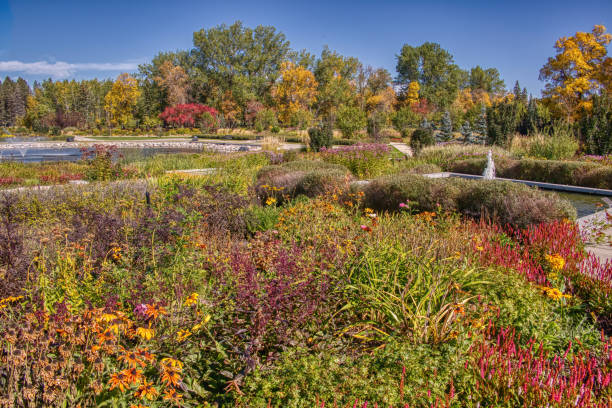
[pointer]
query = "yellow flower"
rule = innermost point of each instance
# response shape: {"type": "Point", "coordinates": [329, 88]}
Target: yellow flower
{"type": "Point", "coordinates": [479, 248]}
{"type": "Point", "coordinates": [270, 201]}
{"type": "Point", "coordinates": [191, 300]}
{"type": "Point", "coordinates": [171, 362]}
{"type": "Point", "coordinates": [555, 261]}
{"type": "Point", "coordinates": [145, 333]}
{"type": "Point", "coordinates": [146, 390]}
{"type": "Point", "coordinates": [202, 323]}
{"type": "Point", "coordinates": [183, 334]}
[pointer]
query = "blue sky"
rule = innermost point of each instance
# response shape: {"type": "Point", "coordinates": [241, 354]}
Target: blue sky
{"type": "Point", "coordinates": [87, 38]}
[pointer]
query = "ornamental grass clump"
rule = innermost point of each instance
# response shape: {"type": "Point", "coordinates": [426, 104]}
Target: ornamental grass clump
{"type": "Point", "coordinates": [363, 160]}
{"type": "Point", "coordinates": [507, 203]}
{"type": "Point", "coordinates": [310, 178]}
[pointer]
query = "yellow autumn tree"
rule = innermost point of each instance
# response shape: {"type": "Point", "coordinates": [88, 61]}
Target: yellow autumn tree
{"type": "Point", "coordinates": [577, 71]}
{"type": "Point", "coordinates": [120, 101]}
{"type": "Point", "coordinates": [296, 90]}
{"type": "Point", "coordinates": [383, 101]}
{"type": "Point", "coordinates": [412, 93]}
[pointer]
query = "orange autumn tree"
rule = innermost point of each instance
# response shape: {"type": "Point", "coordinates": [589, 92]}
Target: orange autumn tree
{"type": "Point", "coordinates": [296, 90]}
{"type": "Point", "coordinates": [578, 70]}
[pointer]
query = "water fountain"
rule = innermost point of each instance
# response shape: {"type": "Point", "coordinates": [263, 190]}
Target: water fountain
{"type": "Point", "coordinates": [489, 171]}
{"type": "Point", "coordinates": [23, 151]}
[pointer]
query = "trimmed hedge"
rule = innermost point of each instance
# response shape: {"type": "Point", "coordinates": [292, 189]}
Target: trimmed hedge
{"type": "Point", "coordinates": [585, 174]}
{"type": "Point", "coordinates": [302, 177]}
{"type": "Point", "coordinates": [506, 202]}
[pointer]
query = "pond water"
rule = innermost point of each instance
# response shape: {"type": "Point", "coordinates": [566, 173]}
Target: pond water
{"type": "Point", "coordinates": [75, 154]}
{"type": "Point", "coordinates": [585, 204]}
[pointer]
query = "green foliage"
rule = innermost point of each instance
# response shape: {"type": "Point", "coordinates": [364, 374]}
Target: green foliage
{"type": "Point", "coordinates": [376, 122]}
{"type": "Point", "coordinates": [265, 120]}
{"type": "Point", "coordinates": [435, 71]}
{"type": "Point", "coordinates": [350, 119]}
{"type": "Point", "coordinates": [502, 119]}
{"type": "Point", "coordinates": [404, 120]}
{"type": "Point", "coordinates": [320, 136]}
{"type": "Point", "coordinates": [240, 59]}
{"type": "Point", "coordinates": [421, 138]}
{"type": "Point", "coordinates": [559, 146]}
{"type": "Point", "coordinates": [596, 126]}
{"type": "Point", "coordinates": [446, 130]}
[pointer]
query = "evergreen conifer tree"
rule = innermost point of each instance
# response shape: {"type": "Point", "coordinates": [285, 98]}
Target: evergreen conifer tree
{"type": "Point", "coordinates": [481, 125]}
{"type": "Point", "coordinates": [446, 133]}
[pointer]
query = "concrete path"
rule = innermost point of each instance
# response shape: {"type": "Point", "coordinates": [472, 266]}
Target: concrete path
{"type": "Point", "coordinates": [402, 148]}
{"type": "Point", "coordinates": [592, 224]}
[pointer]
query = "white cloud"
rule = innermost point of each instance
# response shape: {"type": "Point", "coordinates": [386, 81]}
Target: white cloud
{"type": "Point", "coordinates": [60, 70]}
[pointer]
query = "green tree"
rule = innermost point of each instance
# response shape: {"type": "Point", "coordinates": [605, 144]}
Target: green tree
{"type": "Point", "coordinates": [596, 126]}
{"type": "Point", "coordinates": [435, 71]}
{"type": "Point", "coordinates": [245, 61]}
{"type": "Point", "coordinates": [446, 130]}
{"type": "Point", "coordinates": [405, 119]}
{"type": "Point", "coordinates": [420, 138]}
{"type": "Point", "coordinates": [481, 125]}
{"type": "Point", "coordinates": [502, 119]}
{"type": "Point", "coordinates": [350, 119]}
{"type": "Point", "coordinates": [321, 136]}
{"type": "Point", "coordinates": [335, 75]}
{"type": "Point", "coordinates": [486, 79]}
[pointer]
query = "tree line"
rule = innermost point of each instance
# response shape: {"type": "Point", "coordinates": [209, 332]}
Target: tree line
{"type": "Point", "coordinates": [252, 77]}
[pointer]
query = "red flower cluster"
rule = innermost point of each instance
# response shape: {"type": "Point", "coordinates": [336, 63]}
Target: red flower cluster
{"type": "Point", "coordinates": [188, 114]}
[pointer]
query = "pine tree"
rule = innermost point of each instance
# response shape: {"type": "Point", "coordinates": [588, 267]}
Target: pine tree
{"type": "Point", "coordinates": [22, 91]}
{"type": "Point", "coordinates": [466, 132]}
{"type": "Point", "coordinates": [517, 91]}
{"type": "Point", "coordinates": [446, 133]}
{"type": "Point", "coordinates": [481, 125]}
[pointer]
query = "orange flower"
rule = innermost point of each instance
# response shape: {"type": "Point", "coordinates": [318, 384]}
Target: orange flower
{"type": "Point", "coordinates": [105, 336]}
{"type": "Point", "coordinates": [119, 380]}
{"type": "Point", "coordinates": [132, 359]}
{"type": "Point", "coordinates": [132, 375]}
{"type": "Point", "coordinates": [171, 395]}
{"type": "Point", "coordinates": [146, 390]}
{"type": "Point", "coordinates": [170, 376]}
{"type": "Point", "coordinates": [145, 354]}
{"type": "Point", "coordinates": [155, 311]}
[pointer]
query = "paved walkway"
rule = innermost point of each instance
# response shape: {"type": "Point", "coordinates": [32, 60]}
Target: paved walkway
{"type": "Point", "coordinates": [403, 148]}
{"type": "Point", "coordinates": [594, 223]}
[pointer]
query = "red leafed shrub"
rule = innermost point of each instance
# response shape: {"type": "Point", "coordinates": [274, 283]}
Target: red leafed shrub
{"type": "Point", "coordinates": [7, 181]}
{"type": "Point", "coordinates": [190, 115]}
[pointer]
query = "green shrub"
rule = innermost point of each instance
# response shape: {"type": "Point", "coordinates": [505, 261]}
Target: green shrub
{"type": "Point", "coordinates": [320, 136]}
{"type": "Point", "coordinates": [404, 120]}
{"type": "Point", "coordinates": [421, 138]}
{"type": "Point", "coordinates": [265, 120]}
{"type": "Point", "coordinates": [349, 120]}
{"type": "Point", "coordinates": [344, 142]}
{"type": "Point", "coordinates": [507, 202]}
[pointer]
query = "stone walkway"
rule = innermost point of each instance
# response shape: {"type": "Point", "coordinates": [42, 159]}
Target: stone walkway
{"type": "Point", "coordinates": [594, 222]}
{"type": "Point", "coordinates": [402, 148]}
